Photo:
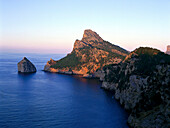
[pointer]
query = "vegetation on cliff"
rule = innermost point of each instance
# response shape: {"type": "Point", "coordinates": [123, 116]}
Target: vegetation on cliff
{"type": "Point", "coordinates": [71, 60]}
{"type": "Point", "coordinates": [148, 59]}
{"type": "Point", "coordinates": [144, 61]}
{"type": "Point", "coordinates": [141, 83]}
{"type": "Point", "coordinates": [89, 54]}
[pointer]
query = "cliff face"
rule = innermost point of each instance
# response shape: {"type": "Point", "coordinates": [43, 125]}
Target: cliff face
{"type": "Point", "coordinates": [141, 83]}
{"type": "Point", "coordinates": [168, 50]}
{"type": "Point", "coordinates": [25, 66]}
{"type": "Point", "coordinates": [89, 55]}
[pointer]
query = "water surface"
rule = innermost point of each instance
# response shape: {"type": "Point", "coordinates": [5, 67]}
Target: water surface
{"type": "Point", "coordinates": [47, 100]}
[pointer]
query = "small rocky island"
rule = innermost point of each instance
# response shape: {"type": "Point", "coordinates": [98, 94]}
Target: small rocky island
{"type": "Point", "coordinates": [25, 66]}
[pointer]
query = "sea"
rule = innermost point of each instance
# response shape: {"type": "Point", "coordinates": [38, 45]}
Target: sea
{"type": "Point", "coordinates": [51, 100]}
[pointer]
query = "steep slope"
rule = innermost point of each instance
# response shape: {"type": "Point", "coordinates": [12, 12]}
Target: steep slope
{"type": "Point", "coordinates": [142, 85]}
{"type": "Point", "coordinates": [88, 55]}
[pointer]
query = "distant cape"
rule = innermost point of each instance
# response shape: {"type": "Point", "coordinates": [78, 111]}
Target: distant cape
{"type": "Point", "coordinates": [89, 55]}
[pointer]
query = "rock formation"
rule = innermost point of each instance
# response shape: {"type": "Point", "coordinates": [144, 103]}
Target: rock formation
{"type": "Point", "coordinates": [141, 83]}
{"type": "Point", "coordinates": [25, 66]}
{"type": "Point", "coordinates": [89, 55]}
{"type": "Point", "coordinates": [168, 50]}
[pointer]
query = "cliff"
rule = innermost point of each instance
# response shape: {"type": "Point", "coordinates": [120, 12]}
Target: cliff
{"type": "Point", "coordinates": [168, 50]}
{"type": "Point", "coordinates": [88, 56]}
{"type": "Point", "coordinates": [25, 66]}
{"type": "Point", "coordinates": [141, 83]}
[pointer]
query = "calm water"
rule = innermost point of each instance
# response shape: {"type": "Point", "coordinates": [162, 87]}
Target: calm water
{"type": "Point", "coordinates": [47, 100]}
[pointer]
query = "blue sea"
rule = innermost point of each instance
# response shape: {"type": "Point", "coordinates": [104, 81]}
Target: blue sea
{"type": "Point", "coordinates": [50, 100]}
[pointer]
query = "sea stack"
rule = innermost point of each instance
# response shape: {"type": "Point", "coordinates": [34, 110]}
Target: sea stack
{"type": "Point", "coordinates": [25, 66]}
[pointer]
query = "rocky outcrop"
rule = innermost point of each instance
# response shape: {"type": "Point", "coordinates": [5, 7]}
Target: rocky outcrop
{"type": "Point", "coordinates": [48, 65]}
{"type": "Point", "coordinates": [88, 57]}
{"type": "Point", "coordinates": [90, 35]}
{"type": "Point", "coordinates": [141, 83]}
{"type": "Point", "coordinates": [168, 50]}
{"type": "Point", "coordinates": [25, 66]}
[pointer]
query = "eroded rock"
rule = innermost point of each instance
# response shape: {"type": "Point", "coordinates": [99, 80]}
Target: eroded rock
{"type": "Point", "coordinates": [25, 66]}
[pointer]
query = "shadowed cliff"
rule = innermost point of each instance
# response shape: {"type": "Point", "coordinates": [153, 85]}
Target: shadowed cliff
{"type": "Point", "coordinates": [142, 85]}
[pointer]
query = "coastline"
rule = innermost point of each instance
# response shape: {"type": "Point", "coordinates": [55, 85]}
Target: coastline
{"type": "Point", "coordinates": [73, 74]}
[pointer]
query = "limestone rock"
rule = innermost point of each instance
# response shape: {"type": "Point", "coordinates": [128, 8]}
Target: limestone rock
{"type": "Point", "coordinates": [88, 76]}
{"type": "Point", "coordinates": [99, 74]}
{"type": "Point", "coordinates": [25, 66]}
{"type": "Point", "coordinates": [168, 50]}
{"type": "Point", "coordinates": [49, 63]}
{"type": "Point", "coordinates": [141, 84]}
{"type": "Point", "coordinates": [89, 55]}
{"type": "Point", "coordinates": [79, 44]}
{"type": "Point", "coordinates": [90, 35]}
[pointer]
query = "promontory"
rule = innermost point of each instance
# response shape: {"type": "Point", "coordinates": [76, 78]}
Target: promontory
{"type": "Point", "coordinates": [88, 57]}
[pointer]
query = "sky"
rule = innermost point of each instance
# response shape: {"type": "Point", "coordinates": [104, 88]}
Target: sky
{"type": "Point", "coordinates": [52, 26]}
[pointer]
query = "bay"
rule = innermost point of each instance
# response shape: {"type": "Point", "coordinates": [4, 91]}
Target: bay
{"type": "Point", "coordinates": [50, 100]}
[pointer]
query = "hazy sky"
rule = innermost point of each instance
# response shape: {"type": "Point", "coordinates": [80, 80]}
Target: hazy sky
{"type": "Point", "coordinates": [54, 25]}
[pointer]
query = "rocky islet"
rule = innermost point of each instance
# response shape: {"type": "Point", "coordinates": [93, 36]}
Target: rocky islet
{"type": "Point", "coordinates": [25, 66]}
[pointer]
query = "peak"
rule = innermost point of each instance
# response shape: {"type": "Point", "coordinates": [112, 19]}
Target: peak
{"type": "Point", "coordinates": [91, 35]}
{"type": "Point", "coordinates": [88, 30]}
{"type": "Point", "coordinates": [25, 66]}
{"type": "Point", "coordinates": [51, 61]}
{"type": "Point", "coordinates": [25, 58]}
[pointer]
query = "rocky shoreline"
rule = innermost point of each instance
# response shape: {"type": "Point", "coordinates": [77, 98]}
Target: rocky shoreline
{"type": "Point", "coordinates": [99, 74]}
{"type": "Point", "coordinates": [140, 84]}
{"type": "Point", "coordinates": [144, 94]}
{"type": "Point", "coordinates": [87, 76]}
{"type": "Point", "coordinates": [140, 80]}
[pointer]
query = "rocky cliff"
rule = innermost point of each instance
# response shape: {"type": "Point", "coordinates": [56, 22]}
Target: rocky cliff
{"type": "Point", "coordinates": [141, 83]}
{"type": "Point", "coordinates": [88, 56]}
{"type": "Point", "coordinates": [168, 50]}
{"type": "Point", "coordinates": [25, 66]}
